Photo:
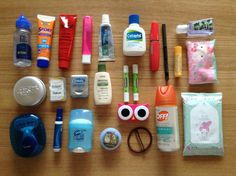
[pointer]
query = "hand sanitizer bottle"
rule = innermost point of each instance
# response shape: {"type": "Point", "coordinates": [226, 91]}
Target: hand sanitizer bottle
{"type": "Point", "coordinates": [134, 40]}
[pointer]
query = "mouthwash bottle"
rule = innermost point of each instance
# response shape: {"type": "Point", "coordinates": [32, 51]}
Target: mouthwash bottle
{"type": "Point", "coordinates": [22, 43]}
{"type": "Point", "coordinates": [134, 40]}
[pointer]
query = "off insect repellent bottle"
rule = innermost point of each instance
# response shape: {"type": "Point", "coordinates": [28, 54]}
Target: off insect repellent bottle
{"type": "Point", "coordinates": [167, 119]}
{"type": "Point", "coordinates": [134, 40]}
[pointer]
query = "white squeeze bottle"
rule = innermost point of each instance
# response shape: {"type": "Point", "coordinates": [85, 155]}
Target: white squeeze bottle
{"type": "Point", "coordinates": [134, 40]}
{"type": "Point", "coordinates": [167, 119]}
{"type": "Point", "coordinates": [102, 86]}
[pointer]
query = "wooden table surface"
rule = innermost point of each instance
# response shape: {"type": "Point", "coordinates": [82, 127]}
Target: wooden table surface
{"type": "Point", "coordinates": [122, 161]}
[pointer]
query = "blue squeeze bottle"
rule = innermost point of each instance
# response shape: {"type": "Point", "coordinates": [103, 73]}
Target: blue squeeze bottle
{"type": "Point", "coordinates": [80, 131]}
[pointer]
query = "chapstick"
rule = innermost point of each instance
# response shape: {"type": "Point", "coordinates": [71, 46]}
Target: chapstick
{"type": "Point", "coordinates": [58, 131]}
{"type": "Point", "coordinates": [178, 61]}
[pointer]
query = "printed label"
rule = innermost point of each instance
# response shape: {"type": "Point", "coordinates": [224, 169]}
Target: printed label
{"type": "Point", "coordinates": [105, 40]}
{"type": "Point", "coordinates": [203, 25]}
{"type": "Point", "coordinates": [162, 116]}
{"type": "Point", "coordinates": [110, 140]}
{"type": "Point", "coordinates": [133, 35]}
{"type": "Point", "coordinates": [57, 90]}
{"type": "Point", "coordinates": [79, 135]}
{"type": "Point", "coordinates": [23, 51]}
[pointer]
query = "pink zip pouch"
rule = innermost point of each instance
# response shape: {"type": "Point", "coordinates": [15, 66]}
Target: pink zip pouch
{"type": "Point", "coordinates": [201, 62]}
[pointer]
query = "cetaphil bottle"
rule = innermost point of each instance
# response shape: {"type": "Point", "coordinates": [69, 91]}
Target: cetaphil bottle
{"type": "Point", "coordinates": [134, 40]}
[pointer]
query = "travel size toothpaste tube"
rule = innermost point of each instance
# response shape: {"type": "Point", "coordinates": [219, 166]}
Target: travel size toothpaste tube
{"type": "Point", "coordinates": [66, 39]}
{"type": "Point", "coordinates": [45, 33]}
{"type": "Point", "coordinates": [199, 28]}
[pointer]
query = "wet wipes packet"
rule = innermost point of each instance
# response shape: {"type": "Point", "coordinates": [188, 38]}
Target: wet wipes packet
{"type": "Point", "coordinates": [201, 62]}
{"type": "Point", "coordinates": [202, 124]}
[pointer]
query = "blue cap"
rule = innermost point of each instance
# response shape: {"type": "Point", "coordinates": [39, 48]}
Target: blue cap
{"type": "Point", "coordinates": [42, 63]}
{"type": "Point", "coordinates": [59, 116]}
{"type": "Point", "coordinates": [23, 22]}
{"type": "Point", "coordinates": [134, 18]}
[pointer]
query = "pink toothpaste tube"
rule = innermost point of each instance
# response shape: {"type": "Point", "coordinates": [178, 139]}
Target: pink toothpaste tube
{"type": "Point", "coordinates": [87, 40]}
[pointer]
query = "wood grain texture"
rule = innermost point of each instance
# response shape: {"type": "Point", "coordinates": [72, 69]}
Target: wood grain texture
{"type": "Point", "coordinates": [122, 161]}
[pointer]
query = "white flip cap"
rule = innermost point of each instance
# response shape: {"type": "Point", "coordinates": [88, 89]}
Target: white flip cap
{"type": "Point", "coordinates": [182, 29]}
{"type": "Point", "coordinates": [105, 19]}
{"type": "Point", "coordinates": [86, 59]}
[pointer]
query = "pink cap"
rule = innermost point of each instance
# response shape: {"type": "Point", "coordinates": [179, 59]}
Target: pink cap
{"type": "Point", "coordinates": [87, 40]}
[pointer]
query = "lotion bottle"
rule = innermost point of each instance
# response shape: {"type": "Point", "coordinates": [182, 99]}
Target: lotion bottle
{"type": "Point", "coordinates": [134, 40]}
{"type": "Point", "coordinates": [102, 86]}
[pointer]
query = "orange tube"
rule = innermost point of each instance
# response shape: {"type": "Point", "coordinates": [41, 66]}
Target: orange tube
{"type": "Point", "coordinates": [45, 33]}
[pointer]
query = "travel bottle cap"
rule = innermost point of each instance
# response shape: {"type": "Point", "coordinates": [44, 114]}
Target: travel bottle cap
{"type": "Point", "coordinates": [42, 62]}
{"type": "Point", "coordinates": [105, 19]}
{"type": "Point", "coordinates": [182, 29]}
{"type": "Point", "coordinates": [165, 95]}
{"type": "Point", "coordinates": [23, 22]}
{"type": "Point", "coordinates": [134, 18]}
{"type": "Point", "coordinates": [101, 67]}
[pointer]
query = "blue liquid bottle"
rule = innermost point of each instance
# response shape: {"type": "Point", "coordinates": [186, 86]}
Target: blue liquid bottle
{"type": "Point", "coordinates": [80, 131]}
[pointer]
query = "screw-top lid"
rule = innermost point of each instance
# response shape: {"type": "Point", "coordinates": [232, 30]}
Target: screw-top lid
{"type": "Point", "coordinates": [101, 67]}
{"type": "Point", "coordinates": [23, 22]}
{"type": "Point", "coordinates": [105, 19]}
{"type": "Point", "coordinates": [110, 139]}
{"type": "Point", "coordinates": [165, 95]}
{"type": "Point", "coordinates": [134, 18]}
{"type": "Point", "coordinates": [182, 29]}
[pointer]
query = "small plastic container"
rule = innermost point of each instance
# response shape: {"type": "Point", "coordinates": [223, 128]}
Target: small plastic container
{"type": "Point", "coordinates": [110, 139]}
{"type": "Point", "coordinates": [80, 131]}
{"type": "Point", "coordinates": [29, 91]}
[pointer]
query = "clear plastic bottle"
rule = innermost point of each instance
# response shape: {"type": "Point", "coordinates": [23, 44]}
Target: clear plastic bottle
{"type": "Point", "coordinates": [22, 43]}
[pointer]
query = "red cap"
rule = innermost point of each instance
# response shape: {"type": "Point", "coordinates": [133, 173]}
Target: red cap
{"type": "Point", "coordinates": [64, 64]}
{"type": "Point", "coordinates": [165, 95]}
{"type": "Point", "coordinates": [154, 31]}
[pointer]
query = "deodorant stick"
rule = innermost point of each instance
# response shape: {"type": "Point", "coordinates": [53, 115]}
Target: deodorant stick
{"type": "Point", "coordinates": [167, 119]}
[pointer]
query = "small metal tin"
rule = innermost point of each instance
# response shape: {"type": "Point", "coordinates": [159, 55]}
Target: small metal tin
{"type": "Point", "coordinates": [110, 139]}
{"type": "Point", "coordinates": [79, 86]}
{"type": "Point", "coordinates": [29, 91]}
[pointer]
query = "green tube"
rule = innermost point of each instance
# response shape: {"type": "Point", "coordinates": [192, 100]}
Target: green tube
{"type": "Point", "coordinates": [135, 83]}
{"type": "Point", "coordinates": [126, 83]}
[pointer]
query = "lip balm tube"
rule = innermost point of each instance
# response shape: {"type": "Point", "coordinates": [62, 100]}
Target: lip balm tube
{"type": "Point", "coordinates": [58, 130]}
{"type": "Point", "coordinates": [66, 39]}
{"type": "Point", "coordinates": [45, 33]}
{"type": "Point", "coordinates": [135, 83]}
{"type": "Point", "coordinates": [87, 40]}
{"type": "Point", "coordinates": [198, 28]}
{"type": "Point", "coordinates": [178, 61]}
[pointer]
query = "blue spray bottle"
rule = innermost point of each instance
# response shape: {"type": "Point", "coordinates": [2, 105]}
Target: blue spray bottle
{"type": "Point", "coordinates": [80, 131]}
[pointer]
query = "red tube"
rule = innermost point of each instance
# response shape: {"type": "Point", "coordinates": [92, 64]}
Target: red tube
{"type": "Point", "coordinates": [66, 39]}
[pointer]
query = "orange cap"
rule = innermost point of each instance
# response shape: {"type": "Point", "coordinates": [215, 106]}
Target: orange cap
{"type": "Point", "coordinates": [165, 95]}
